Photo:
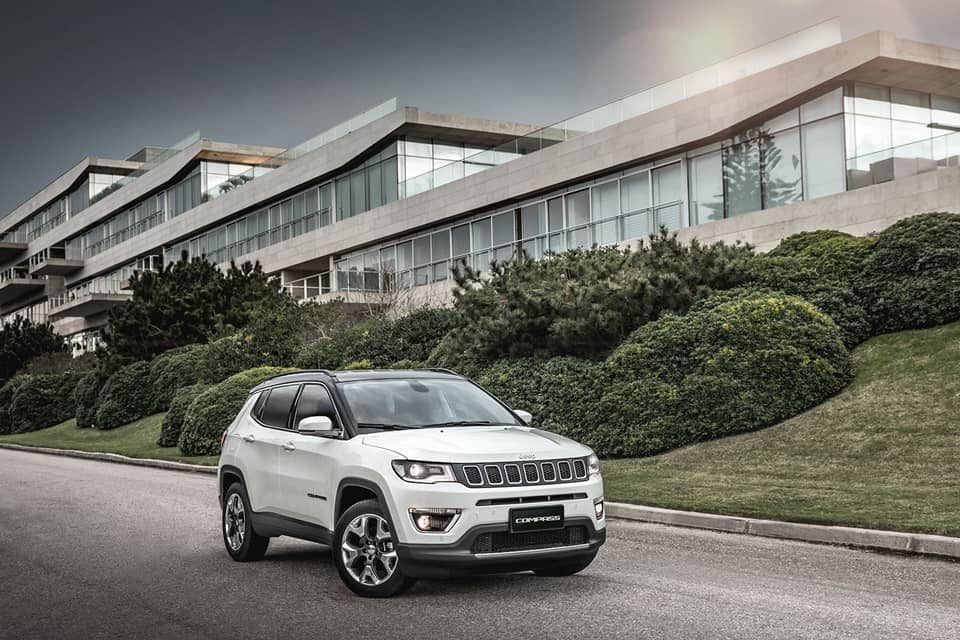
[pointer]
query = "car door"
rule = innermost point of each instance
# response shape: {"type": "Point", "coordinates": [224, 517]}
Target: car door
{"type": "Point", "coordinates": [265, 446]}
{"type": "Point", "coordinates": [307, 461]}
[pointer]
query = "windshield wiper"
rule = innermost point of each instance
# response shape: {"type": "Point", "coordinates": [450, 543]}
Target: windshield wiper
{"type": "Point", "coordinates": [381, 425]}
{"type": "Point", "coordinates": [459, 423]}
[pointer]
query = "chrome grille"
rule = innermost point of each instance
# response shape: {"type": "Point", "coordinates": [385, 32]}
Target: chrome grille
{"type": "Point", "coordinates": [548, 472]}
{"type": "Point", "coordinates": [499, 474]}
{"type": "Point", "coordinates": [473, 475]}
{"type": "Point", "coordinates": [580, 469]}
{"type": "Point", "coordinates": [494, 474]}
{"type": "Point", "coordinates": [530, 473]}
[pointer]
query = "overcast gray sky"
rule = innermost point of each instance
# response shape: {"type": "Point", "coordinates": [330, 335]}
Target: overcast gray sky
{"type": "Point", "coordinates": [106, 78]}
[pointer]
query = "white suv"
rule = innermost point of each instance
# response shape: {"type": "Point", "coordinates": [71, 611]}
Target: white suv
{"type": "Point", "coordinates": [406, 474]}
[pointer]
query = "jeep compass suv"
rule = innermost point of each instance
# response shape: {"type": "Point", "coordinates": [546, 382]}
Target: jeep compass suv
{"type": "Point", "coordinates": [406, 474]}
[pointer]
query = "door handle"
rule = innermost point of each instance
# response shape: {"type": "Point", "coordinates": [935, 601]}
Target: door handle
{"type": "Point", "coordinates": [289, 446]}
{"type": "Point", "coordinates": [249, 438]}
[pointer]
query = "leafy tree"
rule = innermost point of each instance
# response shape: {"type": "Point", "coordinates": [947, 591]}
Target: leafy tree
{"type": "Point", "coordinates": [186, 303]}
{"type": "Point", "coordinates": [21, 340]}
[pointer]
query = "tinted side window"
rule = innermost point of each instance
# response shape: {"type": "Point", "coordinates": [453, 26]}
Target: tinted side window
{"type": "Point", "coordinates": [276, 409]}
{"type": "Point", "coordinates": [314, 401]}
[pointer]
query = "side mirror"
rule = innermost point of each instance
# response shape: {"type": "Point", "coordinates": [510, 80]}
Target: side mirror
{"type": "Point", "coordinates": [319, 425]}
{"type": "Point", "coordinates": [525, 416]}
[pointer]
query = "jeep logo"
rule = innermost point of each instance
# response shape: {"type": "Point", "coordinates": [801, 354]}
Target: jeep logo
{"type": "Point", "coordinates": [531, 520]}
{"type": "Point", "coordinates": [526, 456]}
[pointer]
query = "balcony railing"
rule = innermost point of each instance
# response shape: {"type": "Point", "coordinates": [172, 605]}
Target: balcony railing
{"type": "Point", "coordinates": [308, 287]}
{"type": "Point", "coordinates": [904, 160]}
{"type": "Point", "coordinates": [112, 286]}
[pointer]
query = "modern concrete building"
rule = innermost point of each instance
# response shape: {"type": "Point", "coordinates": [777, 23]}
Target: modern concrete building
{"type": "Point", "coordinates": [807, 132]}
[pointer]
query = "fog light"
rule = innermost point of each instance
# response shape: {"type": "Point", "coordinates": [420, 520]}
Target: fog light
{"type": "Point", "coordinates": [598, 508]}
{"type": "Point", "coordinates": [434, 520]}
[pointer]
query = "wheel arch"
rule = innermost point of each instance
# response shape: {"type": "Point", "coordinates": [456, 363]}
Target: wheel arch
{"type": "Point", "coordinates": [228, 475]}
{"type": "Point", "coordinates": [350, 491]}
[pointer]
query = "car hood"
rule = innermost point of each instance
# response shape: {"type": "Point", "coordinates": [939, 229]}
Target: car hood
{"type": "Point", "coordinates": [476, 444]}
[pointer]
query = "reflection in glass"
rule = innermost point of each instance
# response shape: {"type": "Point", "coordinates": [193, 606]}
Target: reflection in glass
{"type": "Point", "coordinates": [741, 178]}
{"type": "Point", "coordinates": [823, 168]}
{"type": "Point", "coordinates": [605, 200]}
{"type": "Point", "coordinates": [666, 184]}
{"type": "Point", "coordinates": [578, 208]}
{"type": "Point", "coordinates": [781, 168]}
{"type": "Point", "coordinates": [706, 188]}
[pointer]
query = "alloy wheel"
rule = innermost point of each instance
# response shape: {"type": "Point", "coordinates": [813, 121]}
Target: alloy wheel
{"type": "Point", "coordinates": [367, 550]}
{"type": "Point", "coordinates": [234, 521]}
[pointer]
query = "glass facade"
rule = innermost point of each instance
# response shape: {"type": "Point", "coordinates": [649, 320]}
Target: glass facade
{"type": "Point", "coordinates": [371, 185]}
{"type": "Point", "coordinates": [426, 163]}
{"type": "Point", "coordinates": [796, 156]}
{"type": "Point", "coordinates": [298, 214]}
{"type": "Point", "coordinates": [603, 213]}
{"type": "Point", "coordinates": [893, 133]}
{"type": "Point", "coordinates": [218, 178]}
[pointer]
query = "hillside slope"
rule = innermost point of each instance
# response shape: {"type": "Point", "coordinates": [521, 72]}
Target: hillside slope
{"type": "Point", "coordinates": [885, 453]}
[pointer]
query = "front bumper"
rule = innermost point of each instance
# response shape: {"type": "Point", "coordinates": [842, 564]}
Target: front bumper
{"type": "Point", "coordinates": [461, 557]}
{"type": "Point", "coordinates": [486, 511]}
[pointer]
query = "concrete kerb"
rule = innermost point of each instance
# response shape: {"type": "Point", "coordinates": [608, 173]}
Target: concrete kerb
{"type": "Point", "coordinates": [114, 457]}
{"type": "Point", "coordinates": [917, 543]}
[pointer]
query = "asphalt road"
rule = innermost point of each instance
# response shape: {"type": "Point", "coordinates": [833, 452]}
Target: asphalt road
{"type": "Point", "coordinates": [100, 550]}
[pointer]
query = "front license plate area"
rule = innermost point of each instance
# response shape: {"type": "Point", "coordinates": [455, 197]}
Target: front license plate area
{"type": "Point", "coordinates": [536, 519]}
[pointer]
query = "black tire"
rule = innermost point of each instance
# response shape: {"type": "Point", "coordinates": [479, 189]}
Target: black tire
{"type": "Point", "coordinates": [252, 547]}
{"type": "Point", "coordinates": [566, 568]}
{"type": "Point", "coordinates": [395, 582]}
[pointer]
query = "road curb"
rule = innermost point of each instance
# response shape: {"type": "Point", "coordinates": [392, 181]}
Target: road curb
{"type": "Point", "coordinates": [114, 457]}
{"type": "Point", "coordinates": [915, 543]}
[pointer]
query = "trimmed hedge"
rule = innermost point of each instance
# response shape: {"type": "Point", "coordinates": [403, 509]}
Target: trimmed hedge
{"type": "Point", "coordinates": [173, 421]}
{"type": "Point", "coordinates": [835, 255]}
{"type": "Point", "coordinates": [563, 394]}
{"type": "Point", "coordinates": [7, 392]}
{"type": "Point", "coordinates": [212, 411]}
{"type": "Point", "coordinates": [42, 401]}
{"type": "Point", "coordinates": [381, 341]}
{"type": "Point", "coordinates": [734, 363]}
{"type": "Point", "coordinates": [912, 277]}
{"type": "Point", "coordinates": [800, 277]}
{"type": "Point", "coordinates": [224, 358]}
{"type": "Point", "coordinates": [126, 396]}
{"type": "Point", "coordinates": [86, 397]}
{"type": "Point", "coordinates": [173, 370]}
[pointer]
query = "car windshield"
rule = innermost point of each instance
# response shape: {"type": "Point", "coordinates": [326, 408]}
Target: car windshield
{"type": "Point", "coordinates": [422, 402]}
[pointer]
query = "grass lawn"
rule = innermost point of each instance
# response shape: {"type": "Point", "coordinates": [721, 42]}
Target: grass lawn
{"type": "Point", "coordinates": [137, 440]}
{"type": "Point", "coordinates": [884, 453]}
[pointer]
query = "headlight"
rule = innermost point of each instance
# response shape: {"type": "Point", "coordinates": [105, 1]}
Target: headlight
{"type": "Point", "coordinates": [428, 472]}
{"type": "Point", "coordinates": [593, 465]}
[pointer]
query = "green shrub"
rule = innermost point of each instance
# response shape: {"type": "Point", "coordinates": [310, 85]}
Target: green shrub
{"type": "Point", "coordinates": [224, 358]}
{"type": "Point", "coordinates": [585, 302]}
{"type": "Point", "coordinates": [173, 370]}
{"type": "Point", "coordinates": [563, 394]}
{"type": "Point", "coordinates": [381, 341]}
{"type": "Point", "coordinates": [60, 362]}
{"type": "Point", "coordinates": [836, 255]}
{"type": "Point", "coordinates": [912, 277]}
{"type": "Point", "coordinates": [212, 411]}
{"type": "Point", "coordinates": [86, 397]}
{"type": "Point", "coordinates": [7, 392]}
{"type": "Point", "coordinates": [126, 396]}
{"type": "Point", "coordinates": [733, 363]}
{"type": "Point", "coordinates": [799, 243]}
{"type": "Point", "coordinates": [42, 401]}
{"type": "Point", "coordinates": [360, 364]}
{"type": "Point", "coordinates": [173, 421]}
{"type": "Point", "coordinates": [801, 277]}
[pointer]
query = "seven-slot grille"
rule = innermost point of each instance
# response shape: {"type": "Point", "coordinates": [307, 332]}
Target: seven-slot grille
{"type": "Point", "coordinates": [499, 474]}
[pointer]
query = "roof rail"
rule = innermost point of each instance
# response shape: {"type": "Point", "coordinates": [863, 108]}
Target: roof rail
{"type": "Point", "coordinates": [441, 370]}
